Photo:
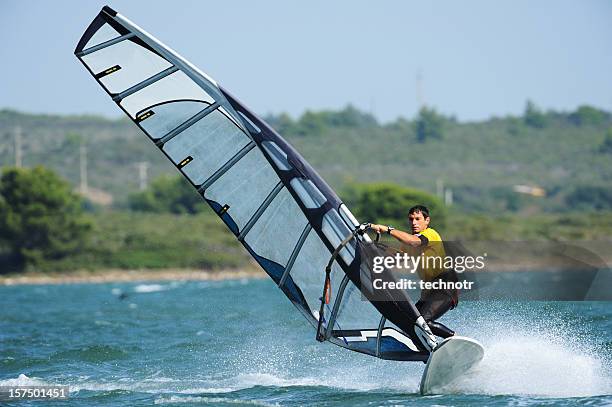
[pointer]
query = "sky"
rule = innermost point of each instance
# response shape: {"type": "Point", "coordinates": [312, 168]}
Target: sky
{"type": "Point", "coordinates": [476, 59]}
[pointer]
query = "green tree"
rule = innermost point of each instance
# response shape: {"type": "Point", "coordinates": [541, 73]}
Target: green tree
{"type": "Point", "coordinates": [282, 123]}
{"type": "Point", "coordinates": [587, 197]}
{"type": "Point", "coordinates": [606, 145]}
{"type": "Point", "coordinates": [41, 218]}
{"type": "Point", "coordinates": [533, 116]}
{"type": "Point", "coordinates": [350, 117]}
{"type": "Point", "coordinates": [167, 194]}
{"type": "Point", "coordinates": [72, 140]}
{"type": "Point", "coordinates": [401, 125]}
{"type": "Point", "coordinates": [429, 125]}
{"type": "Point", "coordinates": [310, 124]}
{"type": "Point", "coordinates": [587, 115]}
{"type": "Point", "coordinates": [515, 126]}
{"type": "Point", "coordinates": [317, 123]}
{"type": "Point", "coordinates": [386, 202]}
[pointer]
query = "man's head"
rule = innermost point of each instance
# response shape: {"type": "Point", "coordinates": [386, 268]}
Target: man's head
{"type": "Point", "coordinates": [418, 217]}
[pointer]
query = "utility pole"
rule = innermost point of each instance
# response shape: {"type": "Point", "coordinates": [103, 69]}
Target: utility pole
{"type": "Point", "coordinates": [83, 167]}
{"type": "Point", "coordinates": [143, 166]}
{"type": "Point", "coordinates": [18, 147]}
{"type": "Point", "coordinates": [440, 188]}
{"type": "Point", "coordinates": [448, 197]}
{"type": "Point", "coordinates": [420, 98]}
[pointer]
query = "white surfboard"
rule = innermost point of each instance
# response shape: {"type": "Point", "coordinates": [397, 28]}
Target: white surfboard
{"type": "Point", "coordinates": [453, 357]}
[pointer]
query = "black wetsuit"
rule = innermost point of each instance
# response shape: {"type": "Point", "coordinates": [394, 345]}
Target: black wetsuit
{"type": "Point", "coordinates": [434, 303]}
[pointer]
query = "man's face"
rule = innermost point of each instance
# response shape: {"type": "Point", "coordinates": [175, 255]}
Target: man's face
{"type": "Point", "coordinates": [418, 222]}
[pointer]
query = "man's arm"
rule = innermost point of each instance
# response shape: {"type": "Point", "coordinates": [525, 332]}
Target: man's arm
{"type": "Point", "coordinates": [404, 237]}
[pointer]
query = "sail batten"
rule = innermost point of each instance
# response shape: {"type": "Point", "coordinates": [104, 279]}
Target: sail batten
{"type": "Point", "coordinates": [239, 155]}
{"type": "Point", "coordinates": [264, 205]}
{"type": "Point", "coordinates": [185, 125]}
{"type": "Point", "coordinates": [118, 98]}
{"type": "Point", "coordinates": [294, 254]}
{"type": "Point", "coordinates": [105, 44]}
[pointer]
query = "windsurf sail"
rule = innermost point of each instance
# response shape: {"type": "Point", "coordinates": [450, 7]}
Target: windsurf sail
{"type": "Point", "coordinates": [269, 197]}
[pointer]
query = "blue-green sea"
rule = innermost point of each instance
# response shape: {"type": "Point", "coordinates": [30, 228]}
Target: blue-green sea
{"type": "Point", "coordinates": [242, 342]}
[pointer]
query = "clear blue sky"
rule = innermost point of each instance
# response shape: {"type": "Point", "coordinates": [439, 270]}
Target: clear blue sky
{"type": "Point", "coordinates": [477, 58]}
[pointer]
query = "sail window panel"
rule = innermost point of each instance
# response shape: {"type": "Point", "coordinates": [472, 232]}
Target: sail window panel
{"type": "Point", "coordinates": [308, 272]}
{"type": "Point", "coordinates": [211, 142]}
{"type": "Point", "coordinates": [244, 186]}
{"type": "Point", "coordinates": [356, 312]}
{"type": "Point", "coordinates": [277, 231]}
{"type": "Point", "coordinates": [137, 64]}
{"type": "Point", "coordinates": [334, 228]}
{"type": "Point", "coordinates": [168, 116]}
{"type": "Point", "coordinates": [104, 33]}
{"type": "Point", "coordinates": [278, 156]}
{"type": "Point", "coordinates": [176, 86]}
{"type": "Point", "coordinates": [308, 193]}
{"type": "Point", "coordinates": [229, 111]}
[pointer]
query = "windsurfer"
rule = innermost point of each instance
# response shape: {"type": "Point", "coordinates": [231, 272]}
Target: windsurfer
{"type": "Point", "coordinates": [425, 240]}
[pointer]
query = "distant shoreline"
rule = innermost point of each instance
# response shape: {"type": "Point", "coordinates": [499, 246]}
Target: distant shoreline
{"type": "Point", "coordinates": [118, 276]}
{"type": "Point", "coordinates": [177, 274]}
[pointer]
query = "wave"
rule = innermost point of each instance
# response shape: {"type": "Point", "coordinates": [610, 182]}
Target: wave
{"type": "Point", "coordinates": [210, 400]}
{"type": "Point", "coordinates": [527, 353]}
{"type": "Point", "coordinates": [23, 380]}
{"type": "Point", "coordinates": [150, 288]}
{"type": "Point", "coordinates": [530, 353]}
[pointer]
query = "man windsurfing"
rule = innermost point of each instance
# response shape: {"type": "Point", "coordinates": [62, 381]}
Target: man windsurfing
{"type": "Point", "coordinates": [426, 241]}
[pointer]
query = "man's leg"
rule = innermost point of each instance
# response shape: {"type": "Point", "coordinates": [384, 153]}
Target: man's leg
{"type": "Point", "coordinates": [433, 307]}
{"type": "Point", "coordinates": [440, 330]}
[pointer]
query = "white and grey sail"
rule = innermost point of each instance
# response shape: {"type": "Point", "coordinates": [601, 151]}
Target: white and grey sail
{"type": "Point", "coordinates": [269, 197]}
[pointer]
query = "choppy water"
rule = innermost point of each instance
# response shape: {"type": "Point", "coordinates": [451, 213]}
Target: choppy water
{"type": "Point", "coordinates": [241, 342]}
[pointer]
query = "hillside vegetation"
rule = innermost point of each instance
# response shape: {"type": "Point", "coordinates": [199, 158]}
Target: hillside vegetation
{"type": "Point", "coordinates": [563, 159]}
{"type": "Point", "coordinates": [566, 154]}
